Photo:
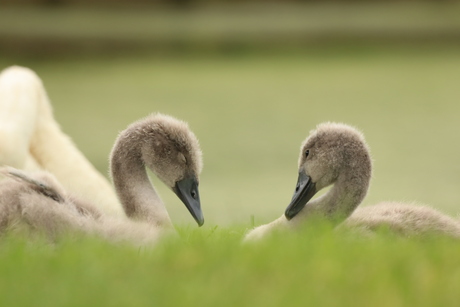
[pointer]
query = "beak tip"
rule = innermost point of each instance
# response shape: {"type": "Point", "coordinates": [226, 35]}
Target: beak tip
{"type": "Point", "coordinates": [184, 190]}
{"type": "Point", "coordinates": [289, 214]}
{"type": "Point", "coordinates": [305, 190]}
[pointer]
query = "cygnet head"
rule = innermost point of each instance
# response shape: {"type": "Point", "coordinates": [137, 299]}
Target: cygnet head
{"type": "Point", "coordinates": [173, 152]}
{"type": "Point", "coordinates": [331, 153]}
{"type": "Point", "coordinates": [170, 149]}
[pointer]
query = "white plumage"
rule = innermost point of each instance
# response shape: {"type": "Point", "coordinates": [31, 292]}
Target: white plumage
{"type": "Point", "coordinates": [31, 139]}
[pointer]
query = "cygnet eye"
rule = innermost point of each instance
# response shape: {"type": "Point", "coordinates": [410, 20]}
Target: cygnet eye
{"type": "Point", "coordinates": [182, 158]}
{"type": "Point", "coordinates": [307, 152]}
{"type": "Point", "coordinates": [55, 198]}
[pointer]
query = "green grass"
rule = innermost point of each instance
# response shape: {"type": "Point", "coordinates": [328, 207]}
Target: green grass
{"type": "Point", "coordinates": [316, 268]}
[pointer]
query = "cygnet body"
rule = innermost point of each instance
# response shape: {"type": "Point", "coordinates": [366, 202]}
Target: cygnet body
{"type": "Point", "coordinates": [337, 154]}
{"type": "Point", "coordinates": [162, 143]}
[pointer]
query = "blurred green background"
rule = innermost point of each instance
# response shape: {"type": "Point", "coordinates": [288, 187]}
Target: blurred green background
{"type": "Point", "coordinates": [252, 80]}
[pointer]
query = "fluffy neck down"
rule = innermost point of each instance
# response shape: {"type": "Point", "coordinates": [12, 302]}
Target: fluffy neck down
{"type": "Point", "coordinates": [345, 195]}
{"type": "Point", "coordinates": [134, 189]}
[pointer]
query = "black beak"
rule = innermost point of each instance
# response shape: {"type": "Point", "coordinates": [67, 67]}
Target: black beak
{"type": "Point", "coordinates": [304, 191]}
{"type": "Point", "coordinates": [187, 190]}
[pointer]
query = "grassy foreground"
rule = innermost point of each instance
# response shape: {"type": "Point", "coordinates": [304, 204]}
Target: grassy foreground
{"type": "Point", "coordinates": [212, 268]}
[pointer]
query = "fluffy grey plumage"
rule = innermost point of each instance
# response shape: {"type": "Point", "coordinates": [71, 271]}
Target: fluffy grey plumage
{"type": "Point", "coordinates": [162, 143]}
{"type": "Point", "coordinates": [166, 146]}
{"type": "Point", "coordinates": [36, 201]}
{"type": "Point", "coordinates": [403, 219]}
{"type": "Point", "coordinates": [337, 155]}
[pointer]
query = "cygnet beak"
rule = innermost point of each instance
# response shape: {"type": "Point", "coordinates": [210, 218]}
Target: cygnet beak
{"type": "Point", "coordinates": [304, 191]}
{"type": "Point", "coordinates": [187, 190]}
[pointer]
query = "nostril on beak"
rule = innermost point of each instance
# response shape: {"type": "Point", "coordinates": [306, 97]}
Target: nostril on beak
{"type": "Point", "coordinates": [297, 188]}
{"type": "Point", "coordinates": [193, 194]}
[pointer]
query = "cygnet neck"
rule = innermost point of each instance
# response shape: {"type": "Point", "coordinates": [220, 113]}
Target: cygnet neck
{"type": "Point", "coordinates": [136, 193]}
{"type": "Point", "coordinates": [345, 195]}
